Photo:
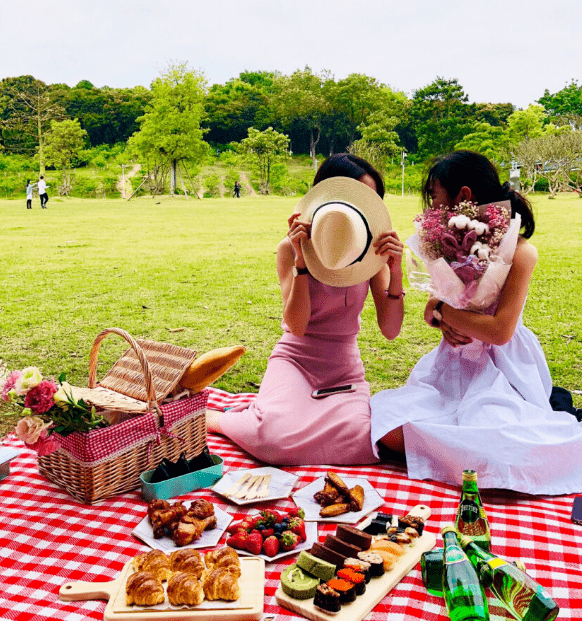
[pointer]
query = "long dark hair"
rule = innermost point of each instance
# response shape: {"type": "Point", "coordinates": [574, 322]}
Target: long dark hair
{"type": "Point", "coordinates": [348, 165]}
{"type": "Point", "coordinates": [467, 168]}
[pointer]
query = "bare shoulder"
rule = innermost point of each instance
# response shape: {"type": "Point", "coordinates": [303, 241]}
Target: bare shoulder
{"type": "Point", "coordinates": [526, 254]}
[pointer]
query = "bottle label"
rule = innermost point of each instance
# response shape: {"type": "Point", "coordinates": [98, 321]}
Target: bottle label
{"type": "Point", "coordinates": [469, 511]}
{"type": "Point", "coordinates": [454, 554]}
{"type": "Point", "coordinates": [496, 562]}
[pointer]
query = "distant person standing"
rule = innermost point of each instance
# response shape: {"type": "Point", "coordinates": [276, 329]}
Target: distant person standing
{"type": "Point", "coordinates": [29, 188]}
{"type": "Point", "coordinates": [236, 191]}
{"type": "Point", "coordinates": [42, 186]}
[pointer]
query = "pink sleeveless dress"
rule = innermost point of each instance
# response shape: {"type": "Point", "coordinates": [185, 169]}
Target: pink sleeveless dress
{"type": "Point", "coordinates": [286, 425]}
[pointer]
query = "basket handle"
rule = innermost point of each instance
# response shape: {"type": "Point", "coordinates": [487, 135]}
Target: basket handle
{"type": "Point", "coordinates": [145, 367]}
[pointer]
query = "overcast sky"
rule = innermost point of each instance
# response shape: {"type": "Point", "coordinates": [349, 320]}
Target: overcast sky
{"type": "Point", "coordinates": [499, 50]}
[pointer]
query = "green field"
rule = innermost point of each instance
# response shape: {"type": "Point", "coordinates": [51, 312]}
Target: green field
{"type": "Point", "coordinates": [153, 266]}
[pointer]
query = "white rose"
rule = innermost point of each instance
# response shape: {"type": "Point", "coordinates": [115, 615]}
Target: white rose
{"type": "Point", "coordinates": [29, 378]}
{"type": "Point", "coordinates": [29, 429]}
{"type": "Point", "coordinates": [64, 393]}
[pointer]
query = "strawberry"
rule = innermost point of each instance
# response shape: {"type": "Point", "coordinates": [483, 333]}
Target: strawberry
{"type": "Point", "coordinates": [297, 526]}
{"type": "Point", "coordinates": [270, 517]}
{"type": "Point", "coordinates": [236, 526]}
{"type": "Point", "coordinates": [289, 540]}
{"type": "Point", "coordinates": [268, 532]}
{"type": "Point", "coordinates": [238, 540]}
{"type": "Point", "coordinates": [254, 543]}
{"type": "Point", "coordinates": [271, 546]}
{"type": "Point", "coordinates": [254, 521]}
{"type": "Point", "coordinates": [296, 512]}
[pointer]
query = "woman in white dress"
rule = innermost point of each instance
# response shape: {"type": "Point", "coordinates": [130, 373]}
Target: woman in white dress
{"type": "Point", "coordinates": [480, 400]}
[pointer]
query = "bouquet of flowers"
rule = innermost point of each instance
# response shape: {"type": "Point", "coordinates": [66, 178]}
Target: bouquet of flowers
{"type": "Point", "coordinates": [466, 253]}
{"type": "Point", "coordinates": [48, 407]}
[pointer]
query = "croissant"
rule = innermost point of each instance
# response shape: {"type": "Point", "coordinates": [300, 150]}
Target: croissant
{"type": "Point", "coordinates": [187, 560]}
{"type": "Point", "coordinates": [154, 561]}
{"type": "Point", "coordinates": [143, 589]}
{"type": "Point", "coordinates": [357, 498]}
{"type": "Point", "coordinates": [225, 557]}
{"type": "Point", "coordinates": [221, 583]}
{"type": "Point", "coordinates": [185, 589]}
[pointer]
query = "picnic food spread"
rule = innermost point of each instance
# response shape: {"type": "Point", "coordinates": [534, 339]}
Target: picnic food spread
{"type": "Point", "coordinates": [336, 497]}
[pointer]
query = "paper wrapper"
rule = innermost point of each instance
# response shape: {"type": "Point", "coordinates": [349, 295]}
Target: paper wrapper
{"type": "Point", "coordinates": [438, 278]}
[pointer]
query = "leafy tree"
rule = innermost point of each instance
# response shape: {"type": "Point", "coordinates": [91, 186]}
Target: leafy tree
{"type": "Point", "coordinates": [170, 129]}
{"type": "Point", "coordinates": [441, 115]}
{"type": "Point", "coordinates": [486, 139]}
{"type": "Point", "coordinates": [526, 124]}
{"type": "Point", "coordinates": [29, 109]}
{"type": "Point", "coordinates": [302, 101]}
{"type": "Point", "coordinates": [64, 143]}
{"type": "Point", "coordinates": [264, 149]}
{"type": "Point", "coordinates": [379, 141]}
{"type": "Point", "coordinates": [566, 104]}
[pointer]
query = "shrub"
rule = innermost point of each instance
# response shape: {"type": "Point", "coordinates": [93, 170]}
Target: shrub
{"type": "Point", "coordinates": [212, 185]}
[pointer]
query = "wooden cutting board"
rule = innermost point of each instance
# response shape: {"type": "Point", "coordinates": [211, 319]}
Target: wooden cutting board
{"type": "Point", "coordinates": [249, 606]}
{"type": "Point", "coordinates": [376, 589]}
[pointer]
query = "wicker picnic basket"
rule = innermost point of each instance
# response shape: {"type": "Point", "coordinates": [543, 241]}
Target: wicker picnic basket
{"type": "Point", "coordinates": [106, 462]}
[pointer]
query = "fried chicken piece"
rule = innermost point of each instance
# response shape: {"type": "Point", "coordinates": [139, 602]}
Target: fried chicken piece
{"type": "Point", "coordinates": [201, 509]}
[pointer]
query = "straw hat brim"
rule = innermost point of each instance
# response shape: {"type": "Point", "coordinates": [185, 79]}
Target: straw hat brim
{"type": "Point", "coordinates": [369, 203]}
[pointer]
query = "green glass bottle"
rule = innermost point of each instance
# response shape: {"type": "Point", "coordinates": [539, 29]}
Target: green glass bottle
{"type": "Point", "coordinates": [471, 518]}
{"type": "Point", "coordinates": [520, 594]}
{"type": "Point", "coordinates": [463, 593]}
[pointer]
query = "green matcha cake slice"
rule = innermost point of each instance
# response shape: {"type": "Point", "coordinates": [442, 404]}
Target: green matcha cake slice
{"type": "Point", "coordinates": [298, 583]}
{"type": "Point", "coordinates": [316, 566]}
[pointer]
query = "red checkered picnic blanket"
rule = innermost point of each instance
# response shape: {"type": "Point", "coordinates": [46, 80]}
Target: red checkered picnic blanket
{"type": "Point", "coordinates": [48, 539]}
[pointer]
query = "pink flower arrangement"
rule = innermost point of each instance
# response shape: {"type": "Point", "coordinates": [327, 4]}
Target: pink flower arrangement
{"type": "Point", "coordinates": [47, 407]}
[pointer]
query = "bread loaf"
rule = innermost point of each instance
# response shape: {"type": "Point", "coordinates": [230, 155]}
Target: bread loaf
{"type": "Point", "coordinates": [210, 366]}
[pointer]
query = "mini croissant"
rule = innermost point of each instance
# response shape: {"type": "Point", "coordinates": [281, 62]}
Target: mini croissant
{"type": "Point", "coordinates": [187, 560]}
{"type": "Point", "coordinates": [225, 557]}
{"type": "Point", "coordinates": [221, 583]}
{"type": "Point", "coordinates": [144, 589]}
{"type": "Point", "coordinates": [154, 561]}
{"type": "Point", "coordinates": [185, 589]}
{"type": "Point", "coordinates": [210, 366]}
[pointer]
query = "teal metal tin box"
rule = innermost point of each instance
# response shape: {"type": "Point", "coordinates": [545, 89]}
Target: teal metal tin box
{"type": "Point", "coordinates": [178, 486]}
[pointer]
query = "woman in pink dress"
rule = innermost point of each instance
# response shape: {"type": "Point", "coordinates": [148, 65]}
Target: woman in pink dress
{"type": "Point", "coordinates": [285, 425]}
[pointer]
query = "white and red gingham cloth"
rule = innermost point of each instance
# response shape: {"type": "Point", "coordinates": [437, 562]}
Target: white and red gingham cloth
{"type": "Point", "coordinates": [47, 538]}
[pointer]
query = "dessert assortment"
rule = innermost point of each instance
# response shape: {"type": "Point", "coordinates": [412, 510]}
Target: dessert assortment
{"type": "Point", "coordinates": [348, 565]}
{"type": "Point", "coordinates": [336, 497]}
{"type": "Point", "coordinates": [190, 577]}
{"type": "Point", "coordinates": [181, 524]}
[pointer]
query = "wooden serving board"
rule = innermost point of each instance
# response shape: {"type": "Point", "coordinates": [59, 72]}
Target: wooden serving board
{"type": "Point", "coordinates": [249, 606]}
{"type": "Point", "coordinates": [376, 589]}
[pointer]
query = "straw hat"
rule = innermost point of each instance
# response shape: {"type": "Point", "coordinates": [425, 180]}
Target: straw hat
{"type": "Point", "coordinates": [346, 218]}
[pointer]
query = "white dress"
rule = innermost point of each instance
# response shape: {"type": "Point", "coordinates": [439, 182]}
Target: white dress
{"type": "Point", "coordinates": [485, 408]}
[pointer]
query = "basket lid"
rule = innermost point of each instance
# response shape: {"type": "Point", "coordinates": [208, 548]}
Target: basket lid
{"type": "Point", "coordinates": [167, 364]}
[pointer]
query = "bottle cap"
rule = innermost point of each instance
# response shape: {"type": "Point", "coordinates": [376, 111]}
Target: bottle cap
{"type": "Point", "coordinates": [520, 565]}
{"type": "Point", "coordinates": [464, 540]}
{"type": "Point", "coordinates": [448, 528]}
{"type": "Point", "coordinates": [469, 475]}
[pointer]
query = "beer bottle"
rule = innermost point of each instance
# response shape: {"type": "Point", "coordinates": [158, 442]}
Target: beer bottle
{"type": "Point", "coordinates": [463, 593]}
{"type": "Point", "coordinates": [520, 594]}
{"type": "Point", "coordinates": [471, 519]}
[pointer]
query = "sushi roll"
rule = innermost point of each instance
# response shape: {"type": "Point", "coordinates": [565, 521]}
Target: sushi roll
{"type": "Point", "coordinates": [346, 589]}
{"type": "Point", "coordinates": [327, 599]}
{"type": "Point", "coordinates": [360, 566]}
{"type": "Point", "coordinates": [353, 576]}
{"type": "Point", "coordinates": [376, 563]}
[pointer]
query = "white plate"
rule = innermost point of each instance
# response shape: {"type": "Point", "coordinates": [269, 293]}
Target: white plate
{"type": "Point", "coordinates": [280, 485]}
{"type": "Point", "coordinates": [310, 533]}
{"type": "Point", "coordinates": [209, 538]}
{"type": "Point", "coordinates": [304, 498]}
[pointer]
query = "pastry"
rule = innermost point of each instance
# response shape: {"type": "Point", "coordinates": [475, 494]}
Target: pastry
{"type": "Point", "coordinates": [156, 562]}
{"type": "Point", "coordinates": [143, 589]}
{"type": "Point", "coordinates": [297, 583]}
{"type": "Point", "coordinates": [315, 566]}
{"type": "Point", "coordinates": [329, 555]}
{"type": "Point", "coordinates": [225, 557]}
{"type": "Point", "coordinates": [187, 560]}
{"type": "Point", "coordinates": [185, 589]}
{"type": "Point", "coordinates": [352, 576]}
{"type": "Point", "coordinates": [327, 599]}
{"type": "Point", "coordinates": [376, 563]}
{"type": "Point", "coordinates": [355, 536]}
{"type": "Point", "coordinates": [347, 549]}
{"type": "Point", "coordinates": [220, 583]}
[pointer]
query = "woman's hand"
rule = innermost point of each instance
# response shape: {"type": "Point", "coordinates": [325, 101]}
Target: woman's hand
{"type": "Point", "coordinates": [453, 337]}
{"type": "Point", "coordinates": [298, 230]}
{"type": "Point", "coordinates": [388, 245]}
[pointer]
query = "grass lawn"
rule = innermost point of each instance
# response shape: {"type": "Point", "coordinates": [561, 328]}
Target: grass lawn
{"type": "Point", "coordinates": [152, 266]}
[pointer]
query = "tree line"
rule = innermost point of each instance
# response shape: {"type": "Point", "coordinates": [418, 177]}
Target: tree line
{"type": "Point", "coordinates": [316, 114]}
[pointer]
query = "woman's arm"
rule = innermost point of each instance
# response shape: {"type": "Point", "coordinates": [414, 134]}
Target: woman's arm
{"type": "Point", "coordinates": [295, 290]}
{"type": "Point", "coordinates": [386, 286]}
{"type": "Point", "coordinates": [495, 329]}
